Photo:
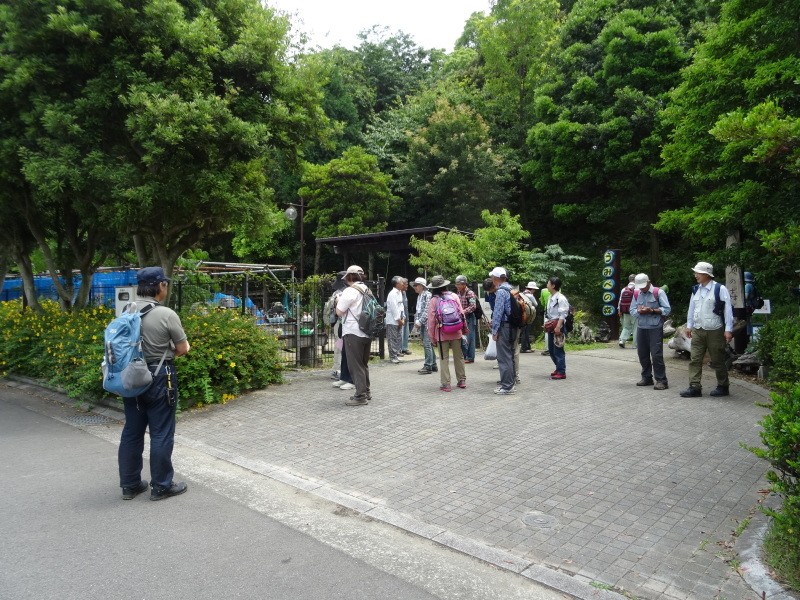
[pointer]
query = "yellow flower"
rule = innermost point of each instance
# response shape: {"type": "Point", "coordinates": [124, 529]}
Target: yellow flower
{"type": "Point", "coordinates": [219, 356]}
{"type": "Point", "coordinates": [233, 364]}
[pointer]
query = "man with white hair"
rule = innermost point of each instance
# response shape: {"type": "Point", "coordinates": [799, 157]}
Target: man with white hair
{"type": "Point", "coordinates": [649, 307]}
{"type": "Point", "coordinates": [709, 325]}
{"type": "Point", "coordinates": [395, 319]}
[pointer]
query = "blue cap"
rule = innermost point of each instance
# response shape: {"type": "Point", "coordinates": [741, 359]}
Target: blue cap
{"type": "Point", "coordinates": [748, 277]}
{"type": "Point", "coordinates": [151, 276]}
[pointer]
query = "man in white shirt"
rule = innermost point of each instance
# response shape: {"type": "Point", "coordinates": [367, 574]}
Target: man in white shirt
{"type": "Point", "coordinates": [395, 319]}
{"type": "Point", "coordinates": [357, 343]}
{"type": "Point", "coordinates": [709, 325]}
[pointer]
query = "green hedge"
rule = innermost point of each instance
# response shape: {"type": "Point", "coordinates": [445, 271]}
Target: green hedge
{"type": "Point", "coordinates": [230, 354]}
{"type": "Point", "coordinates": [778, 346]}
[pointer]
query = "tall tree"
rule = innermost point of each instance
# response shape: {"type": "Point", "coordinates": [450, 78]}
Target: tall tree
{"type": "Point", "coordinates": [452, 169]}
{"type": "Point", "coordinates": [347, 196]}
{"type": "Point", "coordinates": [514, 43]}
{"type": "Point", "coordinates": [595, 151]}
{"type": "Point", "coordinates": [157, 119]}
{"type": "Point", "coordinates": [733, 115]}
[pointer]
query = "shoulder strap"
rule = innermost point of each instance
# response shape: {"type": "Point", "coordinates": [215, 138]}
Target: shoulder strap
{"type": "Point", "coordinates": [717, 287]}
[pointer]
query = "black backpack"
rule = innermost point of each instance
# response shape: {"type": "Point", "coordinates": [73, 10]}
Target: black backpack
{"type": "Point", "coordinates": [516, 317]}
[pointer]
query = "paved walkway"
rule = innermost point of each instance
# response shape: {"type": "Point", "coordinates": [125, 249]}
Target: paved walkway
{"type": "Point", "coordinates": [582, 484]}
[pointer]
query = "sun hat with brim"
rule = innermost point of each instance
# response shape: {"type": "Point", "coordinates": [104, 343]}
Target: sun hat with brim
{"type": "Point", "coordinates": [151, 275]}
{"type": "Point", "coordinates": [559, 340]}
{"type": "Point", "coordinates": [420, 281]}
{"type": "Point", "coordinates": [641, 281]}
{"type": "Point", "coordinates": [704, 267]}
{"type": "Point", "coordinates": [531, 286]}
{"type": "Point", "coordinates": [437, 281]}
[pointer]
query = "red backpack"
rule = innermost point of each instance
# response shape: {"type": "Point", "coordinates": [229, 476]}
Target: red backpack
{"type": "Point", "coordinates": [625, 300]}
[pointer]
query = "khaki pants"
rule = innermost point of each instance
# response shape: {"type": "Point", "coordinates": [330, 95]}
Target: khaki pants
{"type": "Point", "coordinates": [712, 341]}
{"type": "Point", "coordinates": [458, 361]}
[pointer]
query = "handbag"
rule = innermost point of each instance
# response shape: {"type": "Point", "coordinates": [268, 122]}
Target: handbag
{"type": "Point", "coordinates": [550, 326]}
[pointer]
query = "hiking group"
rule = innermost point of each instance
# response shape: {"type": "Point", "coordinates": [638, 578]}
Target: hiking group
{"type": "Point", "coordinates": [447, 323]}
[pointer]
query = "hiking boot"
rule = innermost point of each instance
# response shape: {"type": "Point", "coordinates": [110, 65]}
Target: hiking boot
{"type": "Point", "coordinates": [425, 371]}
{"type": "Point", "coordinates": [691, 392]}
{"type": "Point", "coordinates": [559, 376]}
{"type": "Point", "coordinates": [661, 385]}
{"type": "Point", "coordinates": [445, 388]}
{"type": "Point", "coordinates": [408, 352]}
{"type": "Point", "coordinates": [622, 343]}
{"type": "Point", "coordinates": [129, 493]}
{"type": "Point", "coordinates": [645, 382]}
{"type": "Point", "coordinates": [462, 383]}
{"type": "Point", "coordinates": [720, 390]}
{"type": "Point", "coordinates": [468, 361]}
{"type": "Point", "coordinates": [176, 489]}
{"type": "Point", "coordinates": [347, 386]}
{"type": "Point", "coordinates": [356, 401]}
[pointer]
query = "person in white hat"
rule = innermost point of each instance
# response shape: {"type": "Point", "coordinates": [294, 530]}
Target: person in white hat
{"type": "Point", "coordinates": [649, 307]}
{"type": "Point", "coordinates": [709, 325]}
{"type": "Point", "coordinates": [356, 342]}
{"type": "Point", "coordinates": [421, 323]}
{"type": "Point", "coordinates": [502, 331]}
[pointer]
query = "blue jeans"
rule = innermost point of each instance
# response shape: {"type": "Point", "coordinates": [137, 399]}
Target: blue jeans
{"type": "Point", "coordinates": [404, 342]}
{"type": "Point", "coordinates": [430, 353]}
{"type": "Point", "coordinates": [557, 355]}
{"type": "Point", "coordinates": [468, 350]}
{"type": "Point", "coordinates": [156, 409]}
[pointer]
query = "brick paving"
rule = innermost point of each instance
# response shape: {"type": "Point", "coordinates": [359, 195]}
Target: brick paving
{"type": "Point", "coordinates": [596, 480]}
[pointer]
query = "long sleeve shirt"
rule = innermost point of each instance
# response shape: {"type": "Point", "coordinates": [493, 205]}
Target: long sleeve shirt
{"type": "Point", "coordinates": [394, 307]}
{"type": "Point", "coordinates": [502, 306]}
{"type": "Point", "coordinates": [648, 298]}
{"type": "Point", "coordinates": [468, 301]}
{"type": "Point", "coordinates": [421, 318]}
{"type": "Point", "coordinates": [724, 296]}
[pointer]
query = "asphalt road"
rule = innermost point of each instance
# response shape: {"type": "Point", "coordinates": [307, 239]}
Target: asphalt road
{"type": "Point", "coordinates": [65, 533]}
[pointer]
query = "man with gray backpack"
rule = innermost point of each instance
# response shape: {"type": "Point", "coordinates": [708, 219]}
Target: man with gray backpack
{"type": "Point", "coordinates": [162, 339]}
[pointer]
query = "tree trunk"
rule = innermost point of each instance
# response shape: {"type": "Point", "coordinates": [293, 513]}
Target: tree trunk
{"type": "Point", "coordinates": [317, 255]}
{"type": "Point", "coordinates": [141, 250]}
{"type": "Point", "coordinates": [28, 286]}
{"type": "Point", "coordinates": [370, 265]}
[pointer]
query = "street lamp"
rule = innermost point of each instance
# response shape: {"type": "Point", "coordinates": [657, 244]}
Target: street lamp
{"type": "Point", "coordinates": [292, 214]}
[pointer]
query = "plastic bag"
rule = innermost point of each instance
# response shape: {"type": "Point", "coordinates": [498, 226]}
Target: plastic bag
{"type": "Point", "coordinates": [491, 350]}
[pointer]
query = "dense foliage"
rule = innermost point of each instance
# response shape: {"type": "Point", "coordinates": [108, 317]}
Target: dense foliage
{"type": "Point", "coordinates": [229, 355]}
{"type": "Point", "coordinates": [778, 347]}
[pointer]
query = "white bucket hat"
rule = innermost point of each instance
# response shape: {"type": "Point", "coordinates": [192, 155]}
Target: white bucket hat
{"type": "Point", "coordinates": [420, 281]}
{"type": "Point", "coordinates": [531, 286]}
{"type": "Point", "coordinates": [704, 267]}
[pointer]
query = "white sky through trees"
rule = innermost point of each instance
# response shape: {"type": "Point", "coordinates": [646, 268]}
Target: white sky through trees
{"type": "Point", "coordinates": [431, 23]}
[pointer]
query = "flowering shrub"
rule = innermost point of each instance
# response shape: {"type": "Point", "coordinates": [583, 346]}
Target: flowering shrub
{"type": "Point", "coordinates": [230, 354]}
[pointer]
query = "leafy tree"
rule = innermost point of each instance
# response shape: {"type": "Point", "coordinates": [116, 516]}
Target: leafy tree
{"type": "Point", "coordinates": [514, 43]}
{"type": "Point", "coordinates": [500, 243]}
{"type": "Point", "coordinates": [158, 120]}
{"type": "Point", "coordinates": [452, 169]}
{"type": "Point", "coordinates": [394, 66]}
{"type": "Point", "coordinates": [733, 116]}
{"type": "Point", "coordinates": [595, 150]}
{"type": "Point", "coordinates": [347, 196]}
